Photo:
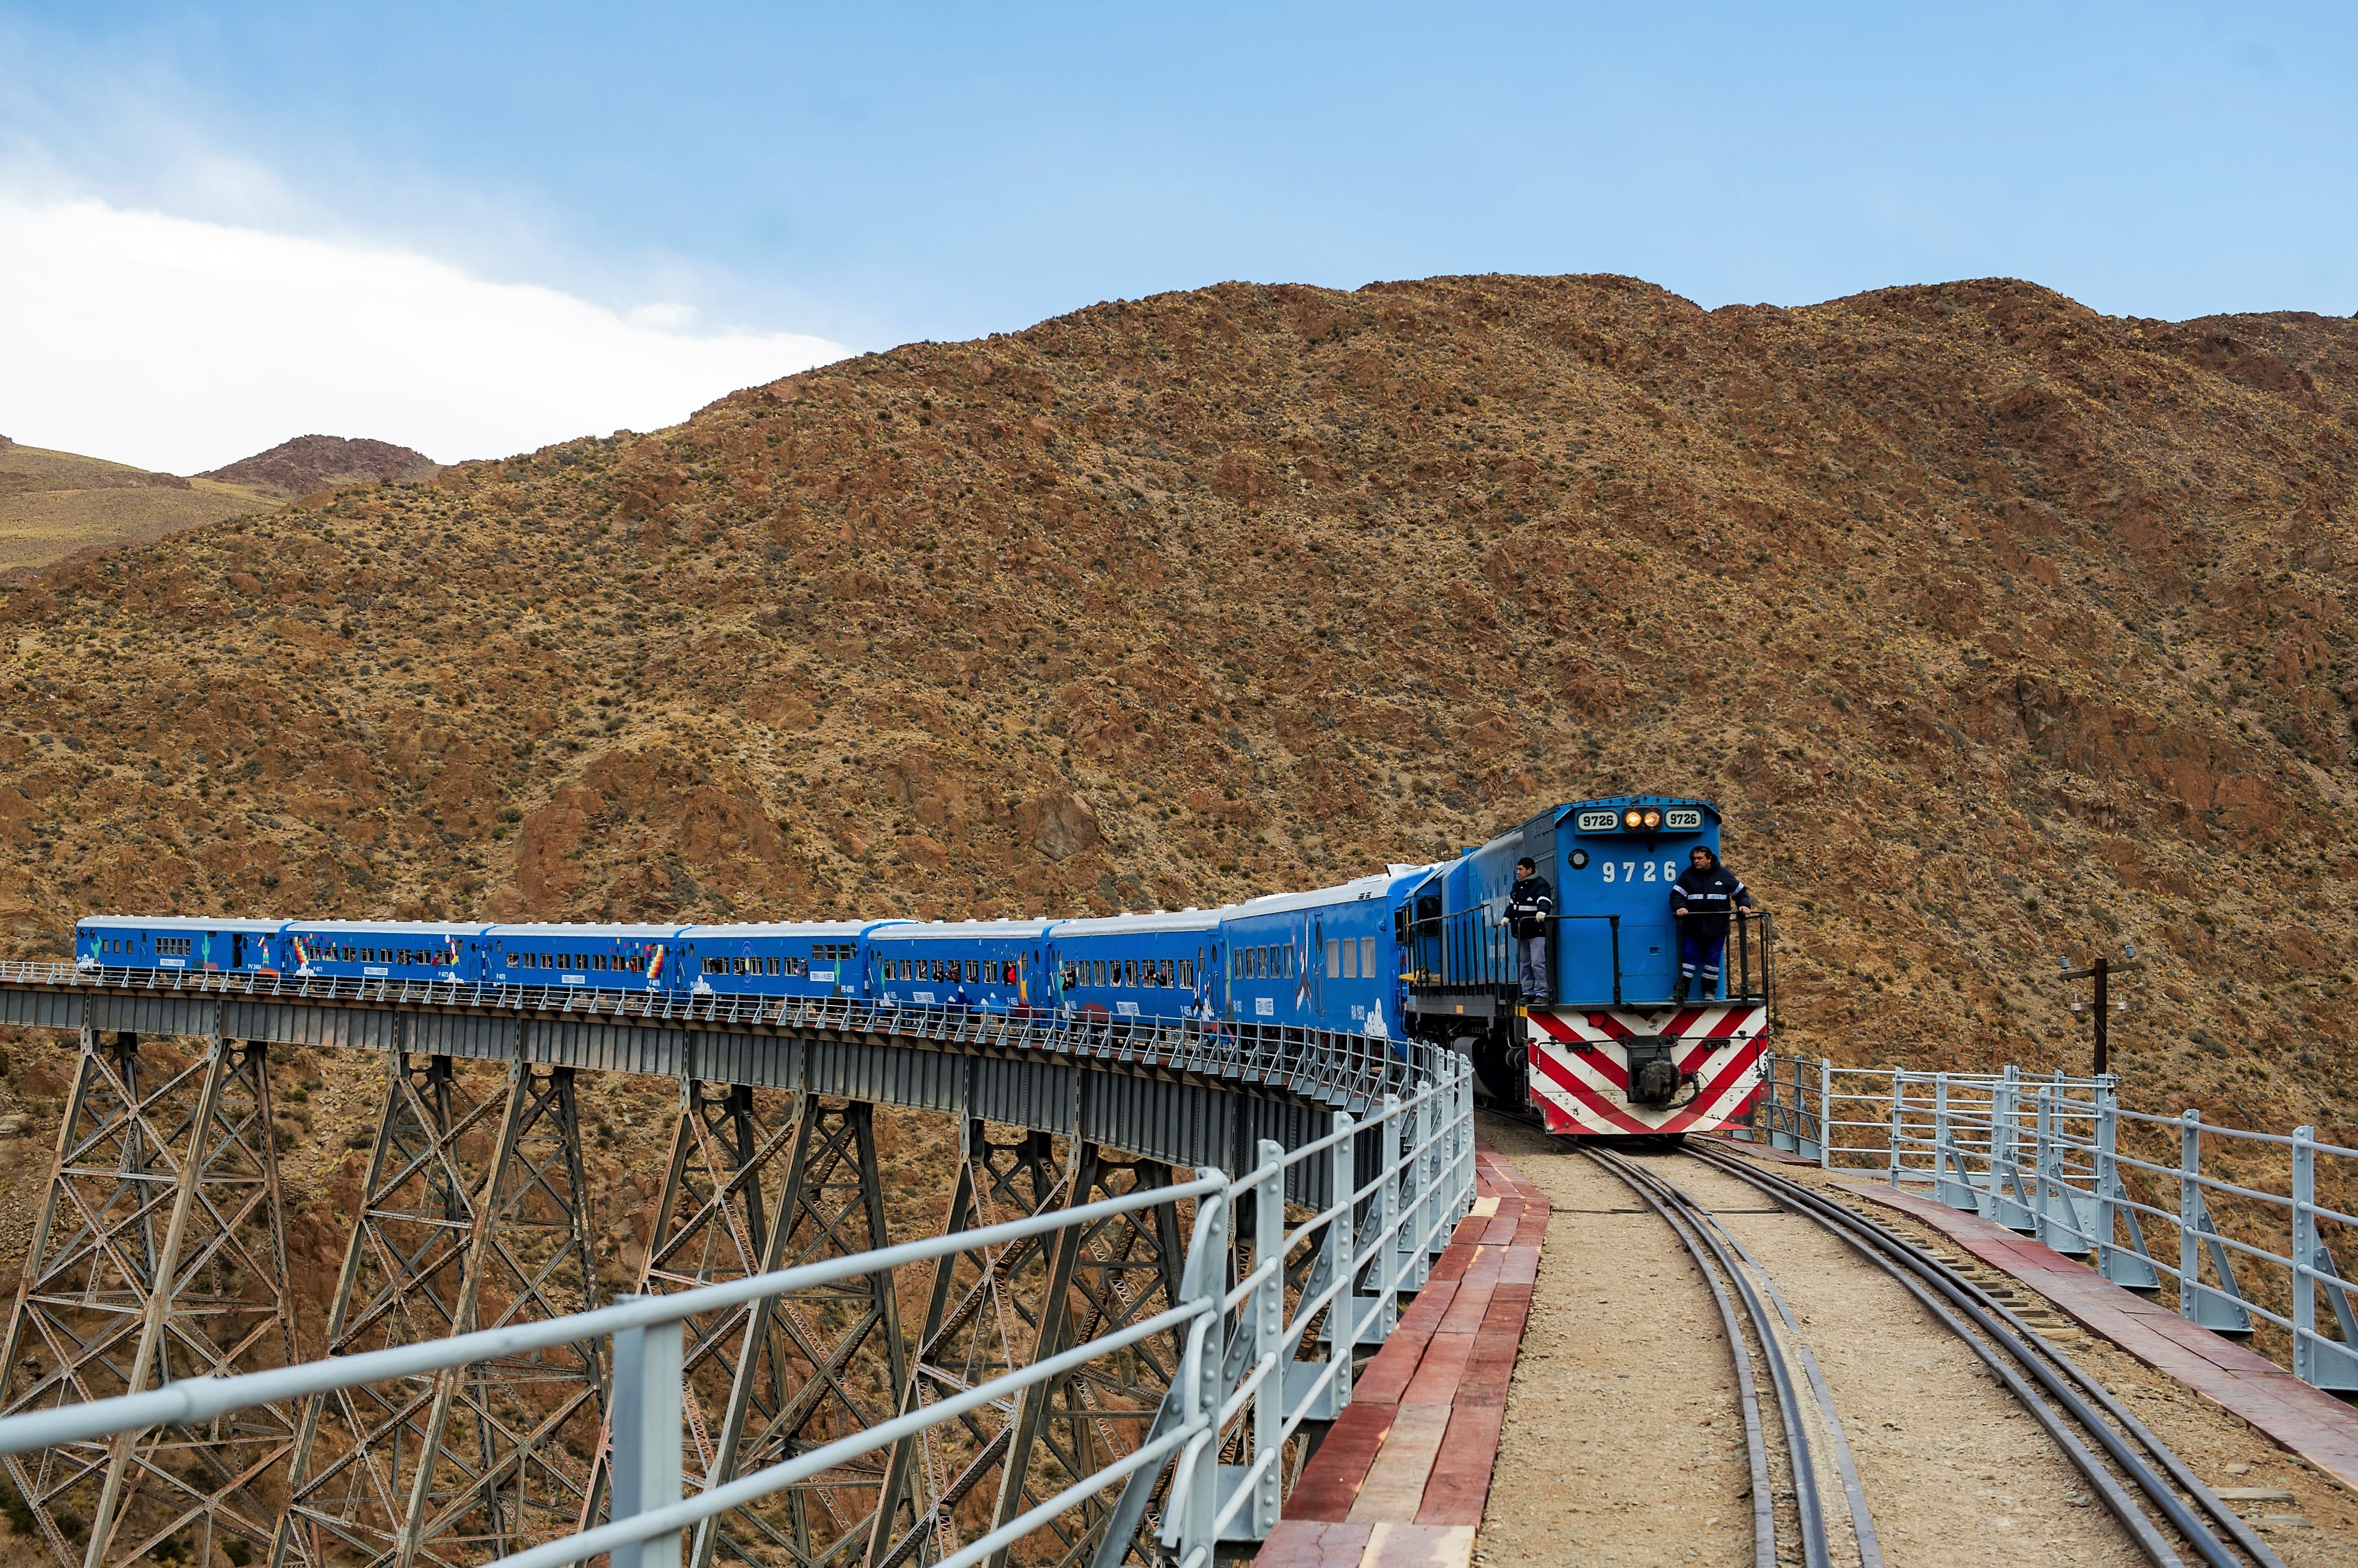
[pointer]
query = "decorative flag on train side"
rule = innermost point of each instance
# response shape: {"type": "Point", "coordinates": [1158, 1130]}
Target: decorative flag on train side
{"type": "Point", "coordinates": [654, 964]}
{"type": "Point", "coordinates": [1305, 980]}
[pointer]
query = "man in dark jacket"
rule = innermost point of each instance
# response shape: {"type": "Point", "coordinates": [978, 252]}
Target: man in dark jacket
{"type": "Point", "coordinates": [1531, 904]}
{"type": "Point", "coordinates": [1701, 903]}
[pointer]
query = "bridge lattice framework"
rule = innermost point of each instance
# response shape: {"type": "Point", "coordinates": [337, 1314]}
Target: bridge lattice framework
{"type": "Point", "coordinates": [161, 1254]}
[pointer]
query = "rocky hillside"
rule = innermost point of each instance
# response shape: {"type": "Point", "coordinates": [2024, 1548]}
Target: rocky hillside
{"type": "Point", "coordinates": [2002, 630]}
{"type": "Point", "coordinates": [56, 504]}
{"type": "Point", "coordinates": [311, 463]}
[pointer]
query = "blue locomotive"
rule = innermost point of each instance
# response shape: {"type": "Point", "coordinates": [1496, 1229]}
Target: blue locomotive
{"type": "Point", "coordinates": [1411, 951]}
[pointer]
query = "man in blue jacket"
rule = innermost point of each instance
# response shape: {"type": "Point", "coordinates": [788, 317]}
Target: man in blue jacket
{"type": "Point", "coordinates": [1701, 901]}
{"type": "Point", "coordinates": [1530, 904]}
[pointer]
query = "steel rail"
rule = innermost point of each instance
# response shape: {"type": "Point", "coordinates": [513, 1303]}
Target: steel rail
{"type": "Point", "coordinates": [2054, 1372]}
{"type": "Point", "coordinates": [1748, 1387]}
{"type": "Point", "coordinates": [1870, 1549]}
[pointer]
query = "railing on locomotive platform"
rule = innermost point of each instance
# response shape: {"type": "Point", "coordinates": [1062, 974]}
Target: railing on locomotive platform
{"type": "Point", "coordinates": [2059, 1158]}
{"type": "Point", "coordinates": [1243, 1383]}
{"type": "Point", "coordinates": [1472, 950]}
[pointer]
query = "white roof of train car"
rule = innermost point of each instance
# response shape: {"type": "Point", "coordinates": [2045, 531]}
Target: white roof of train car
{"type": "Point", "coordinates": [564, 933]}
{"type": "Point", "coordinates": [939, 931]}
{"type": "Point", "coordinates": [821, 929]}
{"type": "Point", "coordinates": [1118, 925]}
{"type": "Point", "coordinates": [182, 922]}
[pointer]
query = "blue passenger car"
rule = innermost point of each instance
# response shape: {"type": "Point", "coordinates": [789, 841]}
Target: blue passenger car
{"type": "Point", "coordinates": [997, 966]}
{"type": "Point", "coordinates": [600, 958]}
{"type": "Point", "coordinates": [809, 958]}
{"type": "Point", "coordinates": [1164, 965]}
{"type": "Point", "coordinates": [384, 950]}
{"type": "Point", "coordinates": [204, 943]}
{"type": "Point", "coordinates": [1325, 960]}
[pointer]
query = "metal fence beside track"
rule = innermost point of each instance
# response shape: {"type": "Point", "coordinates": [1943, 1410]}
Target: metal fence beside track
{"type": "Point", "coordinates": [2061, 1159]}
{"type": "Point", "coordinates": [1250, 1371]}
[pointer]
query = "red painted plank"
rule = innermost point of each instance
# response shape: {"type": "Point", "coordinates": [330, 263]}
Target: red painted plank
{"type": "Point", "coordinates": [1438, 1375]}
{"type": "Point", "coordinates": [1310, 1543]}
{"type": "Point", "coordinates": [1460, 1483]}
{"type": "Point", "coordinates": [1431, 1305]}
{"type": "Point", "coordinates": [1394, 1366]}
{"type": "Point", "coordinates": [1464, 1313]}
{"type": "Point", "coordinates": [1330, 1482]}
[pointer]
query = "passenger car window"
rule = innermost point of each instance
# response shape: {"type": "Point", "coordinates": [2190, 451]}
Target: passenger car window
{"type": "Point", "coordinates": [1350, 959]}
{"type": "Point", "coordinates": [1367, 957]}
{"type": "Point", "coordinates": [1334, 958]}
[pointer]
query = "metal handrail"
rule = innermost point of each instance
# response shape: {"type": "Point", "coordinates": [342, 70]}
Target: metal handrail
{"type": "Point", "coordinates": [1320, 1063]}
{"type": "Point", "coordinates": [2042, 1155]}
{"type": "Point", "coordinates": [1420, 1185]}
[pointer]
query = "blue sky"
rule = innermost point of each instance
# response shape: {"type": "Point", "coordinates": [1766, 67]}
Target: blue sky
{"type": "Point", "coordinates": [871, 175]}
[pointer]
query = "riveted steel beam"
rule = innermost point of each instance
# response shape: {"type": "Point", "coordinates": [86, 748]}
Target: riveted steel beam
{"type": "Point", "coordinates": [161, 1254]}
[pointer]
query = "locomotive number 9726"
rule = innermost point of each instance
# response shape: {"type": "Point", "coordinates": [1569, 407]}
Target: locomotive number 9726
{"type": "Point", "coordinates": [1655, 870]}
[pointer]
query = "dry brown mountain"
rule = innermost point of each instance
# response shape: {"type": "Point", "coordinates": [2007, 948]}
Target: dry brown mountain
{"type": "Point", "coordinates": [2002, 628]}
{"type": "Point", "coordinates": [310, 463]}
{"type": "Point", "coordinates": [56, 504]}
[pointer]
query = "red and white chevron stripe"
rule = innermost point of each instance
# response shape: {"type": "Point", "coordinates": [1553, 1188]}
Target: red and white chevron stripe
{"type": "Point", "coordinates": [1587, 1090]}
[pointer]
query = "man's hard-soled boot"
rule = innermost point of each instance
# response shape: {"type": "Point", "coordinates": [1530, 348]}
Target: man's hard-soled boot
{"type": "Point", "coordinates": [1679, 991]}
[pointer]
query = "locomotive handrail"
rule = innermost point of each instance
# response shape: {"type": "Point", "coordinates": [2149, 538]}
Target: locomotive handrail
{"type": "Point", "coordinates": [1467, 947]}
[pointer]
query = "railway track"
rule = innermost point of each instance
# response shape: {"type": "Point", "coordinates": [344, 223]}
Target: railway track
{"type": "Point", "coordinates": [2171, 1516]}
{"type": "Point", "coordinates": [1815, 1455]}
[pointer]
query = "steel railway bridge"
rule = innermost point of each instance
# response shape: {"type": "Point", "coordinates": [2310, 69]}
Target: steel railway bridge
{"type": "Point", "coordinates": [1162, 1240]}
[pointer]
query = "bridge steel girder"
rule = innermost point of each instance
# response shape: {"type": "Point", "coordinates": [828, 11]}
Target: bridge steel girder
{"type": "Point", "coordinates": [474, 1213]}
{"type": "Point", "coordinates": [161, 1254]}
{"type": "Point", "coordinates": [1128, 1099]}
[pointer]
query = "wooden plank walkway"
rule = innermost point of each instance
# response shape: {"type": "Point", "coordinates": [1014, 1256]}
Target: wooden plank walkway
{"type": "Point", "coordinates": [2290, 1412]}
{"type": "Point", "coordinates": [1402, 1477]}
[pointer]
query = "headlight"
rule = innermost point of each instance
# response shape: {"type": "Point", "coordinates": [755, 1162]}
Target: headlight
{"type": "Point", "coordinates": [1633, 817]}
{"type": "Point", "coordinates": [1653, 819]}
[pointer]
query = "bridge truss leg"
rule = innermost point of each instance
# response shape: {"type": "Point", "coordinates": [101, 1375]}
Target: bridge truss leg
{"type": "Point", "coordinates": [991, 1313]}
{"type": "Point", "coordinates": [473, 1215]}
{"type": "Point", "coordinates": [161, 1254]}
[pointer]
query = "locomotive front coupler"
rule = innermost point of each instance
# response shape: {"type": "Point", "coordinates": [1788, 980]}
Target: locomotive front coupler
{"type": "Point", "coordinates": [1653, 1072]}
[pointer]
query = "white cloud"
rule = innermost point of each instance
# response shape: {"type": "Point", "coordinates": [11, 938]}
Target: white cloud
{"type": "Point", "coordinates": [182, 345]}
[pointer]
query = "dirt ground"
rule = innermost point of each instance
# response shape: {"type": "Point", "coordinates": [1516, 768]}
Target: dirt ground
{"type": "Point", "coordinates": [1623, 1442]}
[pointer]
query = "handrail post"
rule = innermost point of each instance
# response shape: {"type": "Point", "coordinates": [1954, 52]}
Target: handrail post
{"type": "Point", "coordinates": [1342, 1248]}
{"type": "Point", "coordinates": [1408, 1246]}
{"type": "Point", "coordinates": [2108, 1176]}
{"type": "Point", "coordinates": [2189, 1204]}
{"type": "Point", "coordinates": [1613, 924]}
{"type": "Point", "coordinates": [646, 1435]}
{"type": "Point", "coordinates": [1199, 1406]}
{"type": "Point", "coordinates": [1899, 1098]}
{"type": "Point", "coordinates": [1388, 1218]}
{"type": "Point", "coordinates": [1269, 1336]}
{"type": "Point", "coordinates": [1825, 1113]}
{"type": "Point", "coordinates": [2039, 1152]}
{"type": "Point", "coordinates": [2304, 1253]}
